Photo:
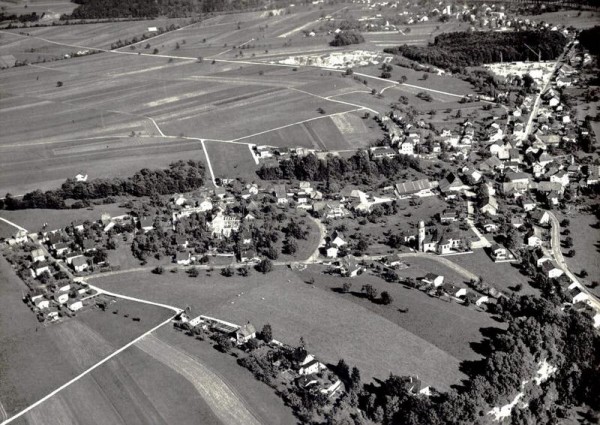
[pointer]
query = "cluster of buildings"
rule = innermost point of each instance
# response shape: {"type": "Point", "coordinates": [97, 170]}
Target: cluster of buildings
{"type": "Point", "coordinates": [51, 301]}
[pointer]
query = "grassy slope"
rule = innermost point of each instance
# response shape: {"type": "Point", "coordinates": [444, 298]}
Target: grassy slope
{"type": "Point", "coordinates": [333, 328]}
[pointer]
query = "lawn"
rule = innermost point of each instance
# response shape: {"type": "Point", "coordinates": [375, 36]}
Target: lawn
{"type": "Point", "coordinates": [501, 276]}
{"type": "Point", "coordinates": [6, 230]}
{"type": "Point", "coordinates": [333, 327]}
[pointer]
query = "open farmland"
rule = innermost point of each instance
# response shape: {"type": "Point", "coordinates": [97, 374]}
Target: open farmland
{"type": "Point", "coordinates": [296, 309]}
{"type": "Point", "coordinates": [50, 7]}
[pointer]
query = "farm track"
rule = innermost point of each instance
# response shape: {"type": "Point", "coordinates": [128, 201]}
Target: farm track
{"type": "Point", "coordinates": [226, 405]}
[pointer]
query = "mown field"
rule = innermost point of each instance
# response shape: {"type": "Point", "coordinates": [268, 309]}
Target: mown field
{"type": "Point", "coordinates": [333, 326]}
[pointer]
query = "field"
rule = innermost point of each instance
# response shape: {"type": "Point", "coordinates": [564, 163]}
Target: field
{"type": "Point", "coordinates": [51, 7]}
{"type": "Point", "coordinates": [586, 243]}
{"type": "Point", "coordinates": [116, 111]}
{"type": "Point", "coordinates": [33, 219]}
{"type": "Point", "coordinates": [501, 276]}
{"type": "Point", "coordinates": [296, 309]}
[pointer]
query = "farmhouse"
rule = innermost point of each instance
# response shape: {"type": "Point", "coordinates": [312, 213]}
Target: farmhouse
{"type": "Point", "coordinates": [245, 334]}
{"type": "Point", "coordinates": [420, 188]}
{"type": "Point", "coordinates": [550, 270]}
{"type": "Point", "coordinates": [515, 182]}
{"type": "Point", "coordinates": [310, 365]}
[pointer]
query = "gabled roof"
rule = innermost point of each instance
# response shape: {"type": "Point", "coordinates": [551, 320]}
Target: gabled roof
{"type": "Point", "coordinates": [407, 188]}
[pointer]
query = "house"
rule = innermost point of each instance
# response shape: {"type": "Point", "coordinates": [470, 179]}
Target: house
{"type": "Point", "coordinates": [382, 152]}
{"type": "Point", "coordinates": [245, 333]}
{"type": "Point", "coordinates": [280, 192]}
{"type": "Point", "coordinates": [69, 257]}
{"type": "Point", "coordinates": [61, 298]}
{"type": "Point", "coordinates": [449, 215]}
{"type": "Point", "coordinates": [452, 183]}
{"type": "Point", "coordinates": [146, 224]}
{"type": "Point", "coordinates": [224, 225]}
{"type": "Point", "coordinates": [18, 238]}
{"type": "Point", "coordinates": [78, 226]}
{"type": "Point", "coordinates": [40, 268]}
{"type": "Point", "coordinates": [407, 147]}
{"type": "Point", "coordinates": [81, 177]}
{"type": "Point", "coordinates": [433, 279]}
{"type": "Point", "coordinates": [477, 299]}
{"type": "Point", "coordinates": [41, 303]}
{"type": "Point", "coordinates": [420, 188]}
{"type": "Point", "coordinates": [249, 256]}
{"type": "Point", "coordinates": [392, 260]}
{"type": "Point", "coordinates": [540, 217]}
{"type": "Point", "coordinates": [449, 243]}
{"type": "Point", "coordinates": [490, 227]}
{"type": "Point", "coordinates": [310, 365]}
{"type": "Point", "coordinates": [61, 248]}
{"type": "Point", "coordinates": [515, 182]}
{"type": "Point", "coordinates": [180, 241]}
{"type": "Point", "coordinates": [75, 305]}
{"type": "Point", "coordinates": [337, 239]}
{"type": "Point", "coordinates": [577, 295]}
{"type": "Point", "coordinates": [79, 263]}
{"type": "Point", "coordinates": [331, 252]}
{"type": "Point", "coordinates": [453, 290]}
{"type": "Point", "coordinates": [489, 205]}
{"type": "Point", "coordinates": [349, 267]}
{"type": "Point", "coordinates": [88, 245]}
{"type": "Point", "coordinates": [183, 258]}
{"type": "Point", "coordinates": [37, 255]}
{"type": "Point", "coordinates": [551, 270]}
{"type": "Point", "coordinates": [527, 203]}
{"type": "Point", "coordinates": [499, 253]}
{"type": "Point", "coordinates": [330, 209]}
{"type": "Point", "coordinates": [534, 241]}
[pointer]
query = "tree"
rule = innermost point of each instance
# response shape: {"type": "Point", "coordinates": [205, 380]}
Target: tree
{"type": "Point", "coordinates": [265, 266]}
{"type": "Point", "coordinates": [369, 291]}
{"type": "Point", "coordinates": [403, 79]}
{"type": "Point", "coordinates": [346, 38]}
{"type": "Point", "coordinates": [583, 273]}
{"type": "Point", "coordinates": [290, 246]}
{"type": "Point", "coordinates": [266, 334]}
{"type": "Point", "coordinates": [193, 272]}
{"type": "Point", "coordinates": [568, 242]}
{"type": "Point", "coordinates": [346, 287]}
{"type": "Point", "coordinates": [224, 344]}
{"type": "Point", "coordinates": [386, 298]}
{"type": "Point", "coordinates": [158, 270]}
{"type": "Point", "coordinates": [425, 76]}
{"type": "Point", "coordinates": [228, 271]}
{"type": "Point", "coordinates": [59, 84]}
{"type": "Point", "coordinates": [349, 71]}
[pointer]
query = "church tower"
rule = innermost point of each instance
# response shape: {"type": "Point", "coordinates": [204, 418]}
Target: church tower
{"type": "Point", "coordinates": [421, 238]}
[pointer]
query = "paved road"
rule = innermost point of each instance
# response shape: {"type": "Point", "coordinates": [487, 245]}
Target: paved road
{"type": "Point", "coordinates": [560, 261]}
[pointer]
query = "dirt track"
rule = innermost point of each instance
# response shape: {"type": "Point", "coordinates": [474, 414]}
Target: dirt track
{"type": "Point", "coordinates": [226, 405]}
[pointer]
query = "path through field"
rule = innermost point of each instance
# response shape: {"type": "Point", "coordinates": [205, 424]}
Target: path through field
{"type": "Point", "coordinates": [226, 405]}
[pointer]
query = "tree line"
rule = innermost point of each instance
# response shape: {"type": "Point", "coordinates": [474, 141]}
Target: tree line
{"type": "Point", "coordinates": [359, 168]}
{"type": "Point", "coordinates": [458, 50]}
{"type": "Point", "coordinates": [179, 177]}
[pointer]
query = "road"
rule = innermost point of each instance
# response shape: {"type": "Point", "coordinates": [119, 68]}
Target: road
{"type": "Point", "coordinates": [560, 261]}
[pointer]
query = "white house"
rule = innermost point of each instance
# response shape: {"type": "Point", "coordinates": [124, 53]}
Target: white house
{"type": "Point", "coordinates": [75, 305]}
{"type": "Point", "coordinates": [310, 365]}
{"type": "Point", "coordinates": [433, 279]}
{"type": "Point", "coordinates": [37, 255]}
{"type": "Point", "coordinates": [245, 334]}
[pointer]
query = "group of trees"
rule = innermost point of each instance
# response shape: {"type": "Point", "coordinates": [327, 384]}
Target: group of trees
{"type": "Point", "coordinates": [458, 50]}
{"type": "Point", "coordinates": [358, 169]}
{"type": "Point", "coordinates": [179, 177]}
{"type": "Point", "coordinates": [345, 38]}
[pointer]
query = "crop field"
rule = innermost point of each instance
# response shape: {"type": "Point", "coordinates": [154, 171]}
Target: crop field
{"type": "Point", "coordinates": [418, 34]}
{"type": "Point", "coordinates": [36, 359]}
{"type": "Point", "coordinates": [132, 388]}
{"type": "Point", "coordinates": [294, 308]}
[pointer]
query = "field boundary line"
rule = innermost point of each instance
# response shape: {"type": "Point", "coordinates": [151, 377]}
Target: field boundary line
{"type": "Point", "coordinates": [139, 300]}
{"type": "Point", "coordinates": [86, 372]}
{"type": "Point", "coordinates": [13, 224]}
{"type": "Point", "coordinates": [210, 168]}
{"type": "Point", "coordinates": [295, 123]}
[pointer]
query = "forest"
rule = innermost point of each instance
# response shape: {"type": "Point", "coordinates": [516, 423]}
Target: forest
{"type": "Point", "coordinates": [179, 177]}
{"type": "Point", "coordinates": [457, 50]}
{"type": "Point", "coordinates": [113, 9]}
{"type": "Point", "coordinates": [358, 169]}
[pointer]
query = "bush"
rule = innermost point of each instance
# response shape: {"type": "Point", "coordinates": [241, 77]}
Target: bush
{"type": "Point", "coordinates": [158, 270]}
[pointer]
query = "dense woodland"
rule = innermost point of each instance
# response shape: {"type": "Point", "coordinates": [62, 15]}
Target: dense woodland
{"type": "Point", "coordinates": [179, 177]}
{"type": "Point", "coordinates": [458, 50]}
{"type": "Point", "coordinates": [99, 9]}
{"type": "Point", "coordinates": [589, 39]}
{"type": "Point", "coordinates": [358, 169]}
